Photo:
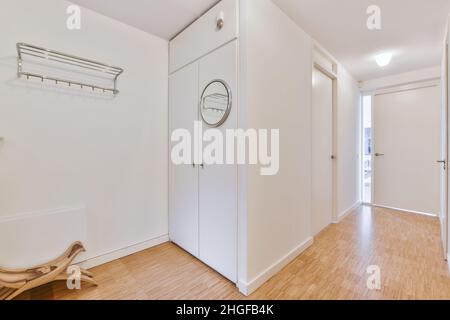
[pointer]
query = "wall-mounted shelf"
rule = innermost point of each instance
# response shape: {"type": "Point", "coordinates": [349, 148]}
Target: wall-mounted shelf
{"type": "Point", "coordinates": [76, 64]}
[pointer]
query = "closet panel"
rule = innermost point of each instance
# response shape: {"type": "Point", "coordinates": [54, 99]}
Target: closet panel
{"type": "Point", "coordinates": [205, 35]}
{"type": "Point", "coordinates": [218, 183]}
{"type": "Point", "coordinates": [183, 179]}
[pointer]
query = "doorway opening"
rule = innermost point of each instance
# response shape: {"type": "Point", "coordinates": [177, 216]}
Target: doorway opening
{"type": "Point", "coordinates": [367, 145]}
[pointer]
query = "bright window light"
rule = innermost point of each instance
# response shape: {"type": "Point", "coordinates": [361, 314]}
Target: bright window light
{"type": "Point", "coordinates": [383, 59]}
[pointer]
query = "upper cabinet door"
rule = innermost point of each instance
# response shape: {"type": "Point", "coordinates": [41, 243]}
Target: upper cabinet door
{"type": "Point", "coordinates": [183, 179]}
{"type": "Point", "coordinates": [218, 183]}
{"type": "Point", "coordinates": [215, 28]}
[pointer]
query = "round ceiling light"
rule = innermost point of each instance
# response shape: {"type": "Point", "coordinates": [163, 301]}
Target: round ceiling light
{"type": "Point", "coordinates": [383, 59]}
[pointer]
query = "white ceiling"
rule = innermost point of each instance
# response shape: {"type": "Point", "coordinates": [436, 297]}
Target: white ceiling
{"type": "Point", "coordinates": [162, 18]}
{"type": "Point", "coordinates": [412, 29]}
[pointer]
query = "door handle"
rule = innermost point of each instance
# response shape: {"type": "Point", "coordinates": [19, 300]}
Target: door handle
{"type": "Point", "coordinates": [444, 162]}
{"type": "Point", "coordinates": [379, 154]}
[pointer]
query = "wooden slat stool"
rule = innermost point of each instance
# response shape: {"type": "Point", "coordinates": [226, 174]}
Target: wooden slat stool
{"type": "Point", "coordinates": [15, 282]}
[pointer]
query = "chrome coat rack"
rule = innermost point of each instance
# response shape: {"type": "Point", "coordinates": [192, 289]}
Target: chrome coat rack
{"type": "Point", "coordinates": [79, 64]}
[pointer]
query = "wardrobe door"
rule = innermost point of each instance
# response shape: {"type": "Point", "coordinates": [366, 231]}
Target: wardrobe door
{"type": "Point", "coordinates": [218, 183]}
{"type": "Point", "coordinates": [183, 179]}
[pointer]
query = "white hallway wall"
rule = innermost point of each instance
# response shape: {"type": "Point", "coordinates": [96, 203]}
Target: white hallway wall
{"type": "Point", "coordinates": [277, 79]}
{"type": "Point", "coordinates": [107, 158]}
{"type": "Point", "coordinates": [348, 143]}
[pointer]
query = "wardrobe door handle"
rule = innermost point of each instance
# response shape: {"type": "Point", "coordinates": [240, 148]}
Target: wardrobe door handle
{"type": "Point", "coordinates": [220, 21]}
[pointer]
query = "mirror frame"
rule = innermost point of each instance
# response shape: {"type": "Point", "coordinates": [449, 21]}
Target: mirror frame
{"type": "Point", "coordinates": [230, 103]}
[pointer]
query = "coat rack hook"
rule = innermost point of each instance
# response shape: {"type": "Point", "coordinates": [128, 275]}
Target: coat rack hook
{"type": "Point", "coordinates": [24, 49]}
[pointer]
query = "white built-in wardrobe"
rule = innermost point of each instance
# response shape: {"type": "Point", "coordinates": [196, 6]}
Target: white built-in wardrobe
{"type": "Point", "coordinates": [243, 224]}
{"type": "Point", "coordinates": [203, 198]}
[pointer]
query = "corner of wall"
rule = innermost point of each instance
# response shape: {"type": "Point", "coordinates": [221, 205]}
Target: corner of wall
{"type": "Point", "coordinates": [341, 216]}
{"type": "Point", "coordinates": [250, 287]}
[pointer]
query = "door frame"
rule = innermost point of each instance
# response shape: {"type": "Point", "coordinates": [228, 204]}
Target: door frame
{"type": "Point", "coordinates": [389, 90]}
{"type": "Point", "coordinates": [361, 127]}
{"type": "Point", "coordinates": [318, 64]}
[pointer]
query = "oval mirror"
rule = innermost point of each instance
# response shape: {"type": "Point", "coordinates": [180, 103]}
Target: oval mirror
{"type": "Point", "coordinates": [215, 103]}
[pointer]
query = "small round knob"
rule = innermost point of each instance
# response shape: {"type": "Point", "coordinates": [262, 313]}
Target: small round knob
{"type": "Point", "coordinates": [220, 20]}
{"type": "Point", "coordinates": [220, 23]}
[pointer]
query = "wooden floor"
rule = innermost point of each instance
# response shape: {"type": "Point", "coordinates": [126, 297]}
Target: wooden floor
{"type": "Point", "coordinates": [406, 247]}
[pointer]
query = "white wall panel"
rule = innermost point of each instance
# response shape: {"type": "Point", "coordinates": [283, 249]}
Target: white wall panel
{"type": "Point", "coordinates": [203, 36]}
{"type": "Point", "coordinates": [64, 147]}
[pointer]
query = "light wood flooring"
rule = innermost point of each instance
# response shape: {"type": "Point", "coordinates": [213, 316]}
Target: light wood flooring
{"type": "Point", "coordinates": [405, 246]}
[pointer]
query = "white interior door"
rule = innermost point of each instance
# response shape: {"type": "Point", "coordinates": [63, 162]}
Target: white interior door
{"type": "Point", "coordinates": [218, 183]}
{"type": "Point", "coordinates": [183, 183]}
{"type": "Point", "coordinates": [322, 150]}
{"type": "Point", "coordinates": [407, 129]}
{"type": "Point", "coordinates": [444, 149]}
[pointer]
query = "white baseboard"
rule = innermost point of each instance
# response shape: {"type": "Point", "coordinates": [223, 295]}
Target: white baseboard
{"type": "Point", "coordinates": [343, 215]}
{"type": "Point", "coordinates": [434, 215]}
{"type": "Point", "coordinates": [253, 285]}
{"type": "Point", "coordinates": [122, 252]}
